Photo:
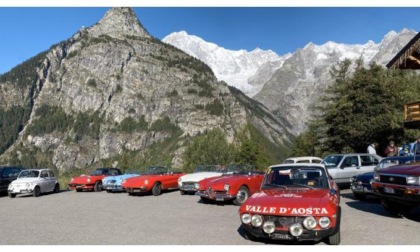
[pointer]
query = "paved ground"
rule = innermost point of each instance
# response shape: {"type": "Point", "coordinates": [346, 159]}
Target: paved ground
{"type": "Point", "coordinates": [91, 218]}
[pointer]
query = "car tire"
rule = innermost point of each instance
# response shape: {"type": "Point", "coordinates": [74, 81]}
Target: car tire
{"type": "Point", "coordinates": [157, 189]}
{"type": "Point", "coordinates": [36, 192]}
{"type": "Point", "coordinates": [98, 186]}
{"type": "Point", "coordinates": [335, 239]}
{"type": "Point", "coordinates": [359, 196]}
{"type": "Point", "coordinates": [57, 188]}
{"type": "Point", "coordinates": [12, 195]}
{"type": "Point", "coordinates": [242, 196]}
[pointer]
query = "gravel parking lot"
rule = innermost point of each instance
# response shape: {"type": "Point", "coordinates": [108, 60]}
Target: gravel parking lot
{"type": "Point", "coordinates": [100, 218]}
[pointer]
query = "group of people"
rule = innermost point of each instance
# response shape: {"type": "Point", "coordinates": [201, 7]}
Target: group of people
{"type": "Point", "coordinates": [392, 150]}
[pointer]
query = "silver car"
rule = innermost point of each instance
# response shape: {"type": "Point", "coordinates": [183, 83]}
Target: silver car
{"type": "Point", "coordinates": [342, 167]}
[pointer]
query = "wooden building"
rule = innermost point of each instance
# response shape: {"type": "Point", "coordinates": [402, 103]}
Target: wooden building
{"type": "Point", "coordinates": [408, 57]}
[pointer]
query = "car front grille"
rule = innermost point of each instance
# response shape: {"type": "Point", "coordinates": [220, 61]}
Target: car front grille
{"type": "Point", "coordinates": [284, 221]}
{"type": "Point", "coordinates": [392, 179]}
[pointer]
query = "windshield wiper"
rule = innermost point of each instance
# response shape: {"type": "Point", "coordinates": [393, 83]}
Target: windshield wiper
{"type": "Point", "coordinates": [276, 185]}
{"type": "Point", "coordinates": [306, 186]}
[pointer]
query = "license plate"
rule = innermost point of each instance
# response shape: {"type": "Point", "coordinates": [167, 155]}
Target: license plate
{"type": "Point", "coordinates": [136, 190]}
{"type": "Point", "coordinates": [219, 199]}
{"type": "Point", "coordinates": [281, 236]}
{"type": "Point", "coordinates": [389, 190]}
{"type": "Point", "coordinates": [358, 188]}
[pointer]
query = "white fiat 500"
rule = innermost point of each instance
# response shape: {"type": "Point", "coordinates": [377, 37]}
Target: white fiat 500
{"type": "Point", "coordinates": [35, 182]}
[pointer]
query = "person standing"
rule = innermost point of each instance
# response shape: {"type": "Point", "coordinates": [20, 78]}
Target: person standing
{"type": "Point", "coordinates": [391, 150]}
{"type": "Point", "coordinates": [416, 147]}
{"type": "Point", "coordinates": [372, 148]}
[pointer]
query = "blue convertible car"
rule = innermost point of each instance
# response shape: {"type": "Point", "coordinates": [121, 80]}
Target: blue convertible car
{"type": "Point", "coordinates": [113, 183]}
{"type": "Point", "coordinates": [361, 184]}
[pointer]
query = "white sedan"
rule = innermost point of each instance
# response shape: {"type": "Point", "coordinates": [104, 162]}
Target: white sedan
{"type": "Point", "coordinates": [189, 183]}
{"type": "Point", "coordinates": [35, 182]}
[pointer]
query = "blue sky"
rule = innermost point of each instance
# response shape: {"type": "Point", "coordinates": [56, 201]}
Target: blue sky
{"type": "Point", "coordinates": [27, 31]}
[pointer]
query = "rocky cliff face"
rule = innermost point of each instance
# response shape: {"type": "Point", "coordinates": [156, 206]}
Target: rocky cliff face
{"type": "Point", "coordinates": [113, 88]}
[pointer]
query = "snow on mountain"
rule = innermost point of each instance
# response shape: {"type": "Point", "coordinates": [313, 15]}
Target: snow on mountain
{"type": "Point", "coordinates": [233, 67]}
{"type": "Point", "coordinates": [288, 85]}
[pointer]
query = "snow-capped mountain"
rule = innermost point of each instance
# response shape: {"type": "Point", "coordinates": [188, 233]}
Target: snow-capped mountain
{"type": "Point", "coordinates": [233, 67]}
{"type": "Point", "coordinates": [288, 85]}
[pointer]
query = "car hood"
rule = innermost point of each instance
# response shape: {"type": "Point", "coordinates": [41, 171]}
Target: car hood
{"type": "Point", "coordinates": [119, 177]}
{"type": "Point", "coordinates": [83, 179]}
{"type": "Point", "coordinates": [290, 202]}
{"type": "Point", "coordinates": [24, 180]}
{"type": "Point", "coordinates": [195, 177]}
{"type": "Point", "coordinates": [410, 169]}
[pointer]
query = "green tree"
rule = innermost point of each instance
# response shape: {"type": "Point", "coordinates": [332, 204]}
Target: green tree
{"type": "Point", "coordinates": [209, 148]}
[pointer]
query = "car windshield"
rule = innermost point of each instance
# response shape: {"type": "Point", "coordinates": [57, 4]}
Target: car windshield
{"type": "Point", "coordinates": [28, 174]}
{"type": "Point", "coordinates": [238, 169]}
{"type": "Point", "coordinates": [332, 160]}
{"type": "Point", "coordinates": [154, 170]}
{"type": "Point", "coordinates": [295, 176]}
{"type": "Point", "coordinates": [99, 172]}
{"type": "Point", "coordinates": [208, 168]}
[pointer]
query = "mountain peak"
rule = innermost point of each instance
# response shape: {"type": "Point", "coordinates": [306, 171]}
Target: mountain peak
{"type": "Point", "coordinates": [119, 22]}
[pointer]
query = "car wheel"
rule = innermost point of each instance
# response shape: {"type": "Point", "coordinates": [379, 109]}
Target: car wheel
{"type": "Point", "coordinates": [359, 196]}
{"type": "Point", "coordinates": [12, 195]}
{"type": "Point", "coordinates": [98, 186]}
{"type": "Point", "coordinates": [182, 192]}
{"type": "Point", "coordinates": [37, 191]}
{"type": "Point", "coordinates": [157, 189]}
{"type": "Point", "coordinates": [57, 188]}
{"type": "Point", "coordinates": [335, 238]}
{"type": "Point", "coordinates": [241, 196]}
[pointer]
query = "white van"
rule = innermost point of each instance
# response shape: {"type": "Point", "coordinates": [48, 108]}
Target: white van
{"type": "Point", "coordinates": [293, 160]}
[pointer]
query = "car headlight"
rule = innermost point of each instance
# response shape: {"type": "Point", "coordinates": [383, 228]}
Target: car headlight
{"type": "Point", "coordinates": [256, 220]}
{"type": "Point", "coordinates": [88, 180]}
{"type": "Point", "coordinates": [28, 185]}
{"type": "Point", "coordinates": [226, 187]}
{"type": "Point", "coordinates": [376, 177]}
{"type": "Point", "coordinates": [246, 218]}
{"type": "Point", "coordinates": [269, 227]}
{"type": "Point", "coordinates": [412, 180]}
{"type": "Point", "coordinates": [197, 185]}
{"type": "Point", "coordinates": [146, 182]}
{"type": "Point", "coordinates": [324, 222]}
{"type": "Point", "coordinates": [71, 181]}
{"type": "Point", "coordinates": [309, 223]}
{"type": "Point", "coordinates": [296, 229]}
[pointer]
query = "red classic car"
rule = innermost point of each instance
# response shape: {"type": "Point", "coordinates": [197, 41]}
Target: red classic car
{"type": "Point", "coordinates": [237, 184]}
{"type": "Point", "coordinates": [297, 202]}
{"type": "Point", "coordinates": [157, 178]}
{"type": "Point", "coordinates": [94, 180]}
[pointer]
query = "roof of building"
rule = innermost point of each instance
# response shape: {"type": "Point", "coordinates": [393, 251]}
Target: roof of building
{"type": "Point", "coordinates": [408, 57]}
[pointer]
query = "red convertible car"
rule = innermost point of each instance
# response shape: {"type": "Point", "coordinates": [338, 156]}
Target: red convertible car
{"type": "Point", "coordinates": [297, 202]}
{"type": "Point", "coordinates": [237, 184]}
{"type": "Point", "coordinates": [94, 180]}
{"type": "Point", "coordinates": [157, 178]}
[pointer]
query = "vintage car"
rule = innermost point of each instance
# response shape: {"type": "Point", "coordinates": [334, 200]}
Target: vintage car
{"type": "Point", "coordinates": [7, 175]}
{"type": "Point", "coordinates": [35, 182]}
{"type": "Point", "coordinates": [305, 159]}
{"type": "Point", "coordinates": [297, 202]}
{"type": "Point", "coordinates": [94, 180]}
{"type": "Point", "coordinates": [361, 184]}
{"type": "Point", "coordinates": [398, 187]}
{"type": "Point", "coordinates": [157, 179]}
{"type": "Point", "coordinates": [237, 184]}
{"type": "Point", "coordinates": [186, 183]}
{"type": "Point", "coordinates": [113, 183]}
{"type": "Point", "coordinates": [342, 167]}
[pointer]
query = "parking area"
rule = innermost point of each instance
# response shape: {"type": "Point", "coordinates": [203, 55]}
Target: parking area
{"type": "Point", "coordinates": [101, 218]}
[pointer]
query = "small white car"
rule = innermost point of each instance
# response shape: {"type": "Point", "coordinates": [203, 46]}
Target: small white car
{"type": "Point", "coordinates": [188, 184]}
{"type": "Point", "coordinates": [309, 159]}
{"type": "Point", "coordinates": [35, 182]}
